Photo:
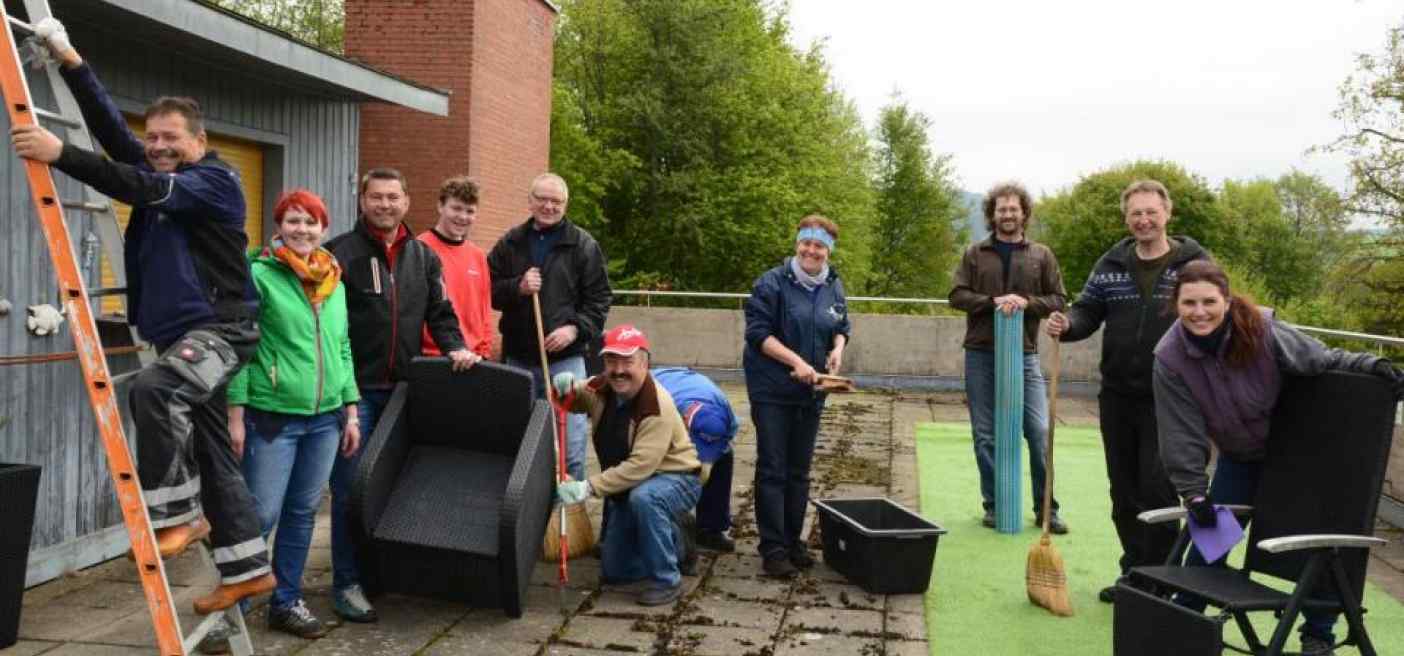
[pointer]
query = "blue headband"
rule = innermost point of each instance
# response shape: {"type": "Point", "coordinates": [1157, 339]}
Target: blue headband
{"type": "Point", "coordinates": [817, 234]}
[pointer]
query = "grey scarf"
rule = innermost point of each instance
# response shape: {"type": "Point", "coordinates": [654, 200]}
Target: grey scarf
{"type": "Point", "coordinates": [809, 282]}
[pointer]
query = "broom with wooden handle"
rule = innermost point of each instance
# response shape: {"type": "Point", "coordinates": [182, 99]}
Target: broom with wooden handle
{"type": "Point", "coordinates": [568, 533]}
{"type": "Point", "coordinates": [1046, 581]}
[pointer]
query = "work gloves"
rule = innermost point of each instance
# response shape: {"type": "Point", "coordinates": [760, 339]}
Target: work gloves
{"type": "Point", "coordinates": [44, 319]}
{"type": "Point", "coordinates": [1201, 511]}
{"type": "Point", "coordinates": [572, 492]}
{"type": "Point", "coordinates": [563, 383]}
{"type": "Point", "coordinates": [50, 32]}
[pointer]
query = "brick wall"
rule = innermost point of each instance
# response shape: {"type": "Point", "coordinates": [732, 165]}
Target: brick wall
{"type": "Point", "coordinates": [495, 58]}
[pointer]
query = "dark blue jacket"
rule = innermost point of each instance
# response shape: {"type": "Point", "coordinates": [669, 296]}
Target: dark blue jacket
{"type": "Point", "coordinates": [688, 387]}
{"type": "Point", "coordinates": [804, 321]}
{"type": "Point", "coordinates": [185, 241]}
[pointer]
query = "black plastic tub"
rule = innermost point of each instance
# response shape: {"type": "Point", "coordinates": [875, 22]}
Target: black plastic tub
{"type": "Point", "coordinates": [877, 544]}
{"type": "Point", "coordinates": [19, 489]}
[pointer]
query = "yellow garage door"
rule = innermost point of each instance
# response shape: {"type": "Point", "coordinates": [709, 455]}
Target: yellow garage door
{"type": "Point", "coordinates": [244, 156]}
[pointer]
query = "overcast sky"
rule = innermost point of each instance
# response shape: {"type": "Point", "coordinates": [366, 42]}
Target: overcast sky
{"type": "Point", "coordinates": [1045, 92]}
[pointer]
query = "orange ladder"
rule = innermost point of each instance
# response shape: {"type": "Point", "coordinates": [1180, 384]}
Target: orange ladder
{"type": "Point", "coordinates": [93, 362]}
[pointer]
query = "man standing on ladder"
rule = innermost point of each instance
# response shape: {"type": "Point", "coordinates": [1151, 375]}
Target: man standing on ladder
{"type": "Point", "coordinates": [189, 295]}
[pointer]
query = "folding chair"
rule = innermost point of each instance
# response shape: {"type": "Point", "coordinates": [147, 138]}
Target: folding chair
{"type": "Point", "coordinates": [1312, 519]}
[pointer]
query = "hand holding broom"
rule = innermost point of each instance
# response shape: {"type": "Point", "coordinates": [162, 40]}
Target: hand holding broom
{"type": "Point", "coordinates": [1044, 577]}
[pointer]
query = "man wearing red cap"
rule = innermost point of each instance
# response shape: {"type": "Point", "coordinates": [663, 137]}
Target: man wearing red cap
{"type": "Point", "coordinates": [651, 476]}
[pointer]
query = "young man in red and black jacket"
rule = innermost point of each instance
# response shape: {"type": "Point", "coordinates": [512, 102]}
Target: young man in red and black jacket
{"type": "Point", "coordinates": [190, 294]}
{"type": "Point", "coordinates": [394, 291]}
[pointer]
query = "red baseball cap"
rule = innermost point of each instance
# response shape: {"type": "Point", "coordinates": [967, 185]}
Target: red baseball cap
{"type": "Point", "coordinates": [624, 340]}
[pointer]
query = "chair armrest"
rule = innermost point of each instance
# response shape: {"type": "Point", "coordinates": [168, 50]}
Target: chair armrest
{"type": "Point", "coordinates": [526, 506]}
{"type": "Point", "coordinates": [1176, 513]}
{"type": "Point", "coordinates": [1300, 542]}
{"type": "Point", "coordinates": [382, 456]}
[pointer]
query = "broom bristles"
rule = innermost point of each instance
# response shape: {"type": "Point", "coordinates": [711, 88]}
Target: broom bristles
{"type": "Point", "coordinates": [580, 534]}
{"type": "Point", "coordinates": [1047, 584]}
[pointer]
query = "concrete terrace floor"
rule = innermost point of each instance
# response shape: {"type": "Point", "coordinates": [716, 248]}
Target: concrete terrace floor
{"type": "Point", "coordinates": [865, 449]}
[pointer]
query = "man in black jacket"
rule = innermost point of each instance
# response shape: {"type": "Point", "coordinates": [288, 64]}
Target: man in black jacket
{"type": "Point", "coordinates": [394, 290]}
{"type": "Point", "coordinates": [189, 294]}
{"type": "Point", "coordinates": [1129, 289]}
{"type": "Point", "coordinates": [550, 256]}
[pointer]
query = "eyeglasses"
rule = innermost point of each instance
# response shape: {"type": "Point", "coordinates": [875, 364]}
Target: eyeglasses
{"type": "Point", "coordinates": [547, 200]}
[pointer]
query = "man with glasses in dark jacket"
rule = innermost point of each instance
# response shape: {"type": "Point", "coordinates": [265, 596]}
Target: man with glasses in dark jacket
{"type": "Point", "coordinates": [394, 292]}
{"type": "Point", "coordinates": [549, 256]}
{"type": "Point", "coordinates": [1129, 289]}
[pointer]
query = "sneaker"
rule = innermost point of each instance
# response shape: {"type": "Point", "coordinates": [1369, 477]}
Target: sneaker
{"type": "Point", "coordinates": [217, 640]}
{"type": "Point", "coordinates": [989, 520]}
{"type": "Point", "coordinates": [715, 541]}
{"type": "Point", "coordinates": [778, 566]}
{"type": "Point", "coordinates": [1107, 595]}
{"type": "Point", "coordinates": [800, 558]}
{"type": "Point", "coordinates": [1314, 646]}
{"type": "Point", "coordinates": [658, 595]}
{"type": "Point", "coordinates": [296, 620]}
{"type": "Point", "coordinates": [352, 605]}
{"type": "Point", "coordinates": [1056, 525]}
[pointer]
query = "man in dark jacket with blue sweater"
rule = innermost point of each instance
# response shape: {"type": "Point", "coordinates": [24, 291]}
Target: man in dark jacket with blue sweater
{"type": "Point", "coordinates": [190, 295]}
{"type": "Point", "coordinates": [1129, 289]}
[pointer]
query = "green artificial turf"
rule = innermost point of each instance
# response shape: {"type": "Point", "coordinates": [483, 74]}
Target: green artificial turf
{"type": "Point", "coordinates": [976, 603]}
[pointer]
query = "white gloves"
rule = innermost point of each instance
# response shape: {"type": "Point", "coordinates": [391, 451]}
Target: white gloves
{"type": "Point", "coordinates": [52, 33]}
{"type": "Point", "coordinates": [44, 319]}
{"type": "Point", "coordinates": [571, 492]}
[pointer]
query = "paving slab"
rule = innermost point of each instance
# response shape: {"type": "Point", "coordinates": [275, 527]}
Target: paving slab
{"type": "Point", "coordinates": [611, 633]}
{"type": "Point", "coordinates": [63, 624]}
{"type": "Point", "coordinates": [746, 589]}
{"type": "Point", "coordinates": [541, 618]}
{"type": "Point", "coordinates": [80, 649]}
{"type": "Point", "coordinates": [726, 612]}
{"type": "Point", "coordinates": [31, 648]}
{"type": "Point", "coordinates": [906, 648]}
{"type": "Point", "coordinates": [906, 626]}
{"type": "Point", "coordinates": [720, 641]}
{"type": "Point", "coordinates": [819, 644]}
{"type": "Point", "coordinates": [837, 595]}
{"type": "Point", "coordinates": [407, 624]}
{"type": "Point", "coordinates": [863, 623]}
{"type": "Point", "coordinates": [455, 644]}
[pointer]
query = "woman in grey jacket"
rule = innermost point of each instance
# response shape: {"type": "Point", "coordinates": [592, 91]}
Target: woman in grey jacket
{"type": "Point", "coordinates": [1217, 375]}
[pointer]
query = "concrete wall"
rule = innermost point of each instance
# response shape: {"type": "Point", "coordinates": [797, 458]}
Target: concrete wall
{"type": "Point", "coordinates": [883, 344]}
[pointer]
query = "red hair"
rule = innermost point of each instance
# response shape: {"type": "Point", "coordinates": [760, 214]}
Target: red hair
{"type": "Point", "coordinates": [304, 200]}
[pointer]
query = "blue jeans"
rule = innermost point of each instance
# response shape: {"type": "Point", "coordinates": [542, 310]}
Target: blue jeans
{"type": "Point", "coordinates": [785, 437]}
{"type": "Point", "coordinates": [714, 508]}
{"type": "Point", "coordinates": [980, 395]}
{"type": "Point", "coordinates": [576, 423]}
{"type": "Point", "coordinates": [642, 536]}
{"type": "Point", "coordinates": [286, 472]}
{"type": "Point", "coordinates": [1237, 483]}
{"type": "Point", "coordinates": [345, 572]}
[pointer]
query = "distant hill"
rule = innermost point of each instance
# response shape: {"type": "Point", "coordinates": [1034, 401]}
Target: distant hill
{"type": "Point", "coordinates": [975, 219]}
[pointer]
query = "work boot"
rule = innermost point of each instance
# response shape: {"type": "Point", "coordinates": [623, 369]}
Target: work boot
{"type": "Point", "coordinates": [1056, 524]}
{"type": "Point", "coordinates": [778, 566]}
{"type": "Point", "coordinates": [800, 558]}
{"type": "Point", "coordinates": [225, 596]}
{"type": "Point", "coordinates": [715, 541]}
{"type": "Point", "coordinates": [989, 520]}
{"type": "Point", "coordinates": [1314, 646]}
{"type": "Point", "coordinates": [659, 595]}
{"type": "Point", "coordinates": [1107, 595]}
{"type": "Point", "coordinates": [296, 620]}
{"type": "Point", "coordinates": [216, 641]}
{"type": "Point", "coordinates": [174, 540]}
{"type": "Point", "coordinates": [351, 604]}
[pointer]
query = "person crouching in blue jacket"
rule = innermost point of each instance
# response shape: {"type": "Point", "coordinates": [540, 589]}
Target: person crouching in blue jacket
{"type": "Point", "coordinates": [712, 425]}
{"type": "Point", "coordinates": [796, 328]}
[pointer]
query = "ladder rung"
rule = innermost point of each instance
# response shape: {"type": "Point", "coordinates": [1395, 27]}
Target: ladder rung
{"type": "Point", "coordinates": [85, 206]}
{"type": "Point", "coordinates": [106, 291]}
{"type": "Point", "coordinates": [57, 118]}
{"type": "Point", "coordinates": [20, 24]}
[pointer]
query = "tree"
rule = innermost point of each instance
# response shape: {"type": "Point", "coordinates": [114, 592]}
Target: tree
{"type": "Point", "coordinates": [1274, 249]}
{"type": "Point", "coordinates": [695, 138]}
{"type": "Point", "coordinates": [1082, 222]}
{"type": "Point", "coordinates": [318, 22]}
{"type": "Point", "coordinates": [914, 240]}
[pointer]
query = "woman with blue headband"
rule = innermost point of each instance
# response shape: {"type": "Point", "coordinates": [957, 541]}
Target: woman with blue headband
{"type": "Point", "coordinates": [796, 328]}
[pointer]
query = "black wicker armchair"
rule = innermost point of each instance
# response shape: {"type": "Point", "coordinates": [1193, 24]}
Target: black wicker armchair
{"type": "Point", "coordinates": [455, 486]}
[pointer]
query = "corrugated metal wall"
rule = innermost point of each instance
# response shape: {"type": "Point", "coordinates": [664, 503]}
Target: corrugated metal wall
{"type": "Point", "coordinates": [44, 413]}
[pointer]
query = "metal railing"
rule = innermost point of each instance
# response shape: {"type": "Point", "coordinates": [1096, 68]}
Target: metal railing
{"type": "Point", "coordinates": [1377, 340]}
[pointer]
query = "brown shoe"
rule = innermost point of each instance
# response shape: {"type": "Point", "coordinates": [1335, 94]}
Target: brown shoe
{"type": "Point", "coordinates": [225, 596]}
{"type": "Point", "coordinates": [174, 540]}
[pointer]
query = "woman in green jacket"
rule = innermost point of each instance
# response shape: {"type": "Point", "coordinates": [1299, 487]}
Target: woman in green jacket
{"type": "Point", "coordinates": [294, 403]}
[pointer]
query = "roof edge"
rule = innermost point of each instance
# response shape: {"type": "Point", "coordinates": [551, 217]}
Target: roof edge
{"type": "Point", "coordinates": [281, 50]}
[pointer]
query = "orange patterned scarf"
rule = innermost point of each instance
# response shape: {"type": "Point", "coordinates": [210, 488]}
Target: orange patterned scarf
{"type": "Point", "coordinates": [319, 273]}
